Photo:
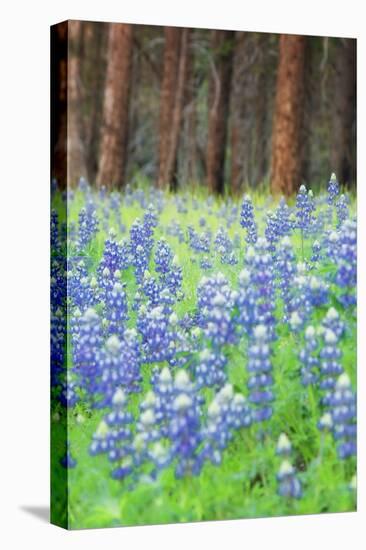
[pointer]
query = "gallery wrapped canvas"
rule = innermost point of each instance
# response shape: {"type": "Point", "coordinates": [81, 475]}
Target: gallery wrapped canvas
{"type": "Point", "coordinates": [203, 274]}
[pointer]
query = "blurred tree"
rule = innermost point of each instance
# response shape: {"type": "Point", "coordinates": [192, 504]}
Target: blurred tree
{"type": "Point", "coordinates": [343, 155]}
{"type": "Point", "coordinates": [76, 155]}
{"type": "Point", "coordinates": [286, 162]}
{"type": "Point", "coordinates": [171, 160]}
{"type": "Point", "coordinates": [59, 49]}
{"type": "Point", "coordinates": [93, 70]}
{"type": "Point", "coordinates": [114, 137]}
{"type": "Point", "coordinates": [222, 47]}
{"type": "Point", "coordinates": [168, 101]}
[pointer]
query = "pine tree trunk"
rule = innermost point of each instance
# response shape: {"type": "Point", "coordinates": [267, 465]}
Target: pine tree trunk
{"type": "Point", "coordinates": [59, 51]}
{"type": "Point", "coordinates": [237, 114]}
{"type": "Point", "coordinates": [219, 93]}
{"type": "Point", "coordinates": [114, 140]}
{"type": "Point", "coordinates": [171, 161]}
{"type": "Point", "coordinates": [288, 116]}
{"type": "Point", "coordinates": [343, 157]}
{"type": "Point", "coordinates": [76, 156]}
{"type": "Point", "coordinates": [167, 100]}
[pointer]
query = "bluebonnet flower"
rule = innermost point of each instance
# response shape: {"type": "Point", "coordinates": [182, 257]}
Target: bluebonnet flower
{"type": "Point", "coordinates": [55, 242]}
{"type": "Point", "coordinates": [342, 210]}
{"type": "Point", "coordinates": [283, 217]}
{"type": "Point", "coordinates": [68, 394]}
{"type": "Point", "coordinates": [316, 249]}
{"type": "Point", "coordinates": [116, 309]}
{"type": "Point", "coordinates": [284, 447]}
{"type": "Point", "coordinates": [309, 357]}
{"type": "Point", "coordinates": [113, 436]}
{"type": "Point", "coordinates": [285, 270]}
{"type": "Point", "coordinates": [247, 220]}
{"type": "Point", "coordinates": [333, 189]}
{"type": "Point", "coordinates": [205, 263]}
{"type": "Point", "coordinates": [85, 350]}
{"type": "Point", "coordinates": [68, 461]}
{"type": "Point", "coordinates": [163, 258]}
{"type": "Point", "coordinates": [289, 485]}
{"type": "Point", "coordinates": [260, 370]}
{"type": "Point", "coordinates": [158, 334]}
{"type": "Point", "coordinates": [151, 288]}
{"type": "Point", "coordinates": [88, 227]}
{"type": "Point", "coordinates": [106, 281]}
{"type": "Point", "coordinates": [272, 231]}
{"type": "Point", "coordinates": [184, 428]}
{"type": "Point", "coordinates": [330, 366]}
{"type": "Point", "coordinates": [224, 247]}
{"type": "Point", "coordinates": [216, 301]}
{"type": "Point", "coordinates": [342, 404]}
{"type": "Point", "coordinates": [174, 278]}
{"type": "Point", "coordinates": [260, 265]}
{"type": "Point", "coordinates": [115, 255]}
{"type": "Point", "coordinates": [245, 303]}
{"type": "Point", "coordinates": [333, 322]}
{"type": "Point", "coordinates": [307, 292]}
{"type": "Point", "coordinates": [58, 345]}
{"type": "Point", "coordinates": [226, 412]}
{"type": "Point", "coordinates": [210, 368]}
{"type": "Point", "coordinates": [346, 260]}
{"type": "Point", "coordinates": [304, 213]}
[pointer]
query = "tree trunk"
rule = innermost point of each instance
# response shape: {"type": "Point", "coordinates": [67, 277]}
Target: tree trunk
{"type": "Point", "coordinates": [114, 140]}
{"type": "Point", "coordinates": [288, 116]}
{"type": "Point", "coordinates": [76, 157]}
{"type": "Point", "coordinates": [167, 100]}
{"type": "Point", "coordinates": [343, 157]}
{"type": "Point", "coordinates": [219, 94]}
{"type": "Point", "coordinates": [93, 78]}
{"type": "Point", "coordinates": [237, 114]}
{"type": "Point", "coordinates": [171, 161]}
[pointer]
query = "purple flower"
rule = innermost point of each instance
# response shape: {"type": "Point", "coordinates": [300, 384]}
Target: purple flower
{"type": "Point", "coordinates": [260, 370]}
{"type": "Point", "coordinates": [247, 220]}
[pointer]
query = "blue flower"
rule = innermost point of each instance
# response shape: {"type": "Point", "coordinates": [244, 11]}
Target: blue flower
{"type": "Point", "coordinates": [260, 370]}
{"type": "Point", "coordinates": [247, 220]}
{"type": "Point", "coordinates": [309, 357]}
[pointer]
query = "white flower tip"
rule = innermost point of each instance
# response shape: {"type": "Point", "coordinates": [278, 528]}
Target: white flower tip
{"type": "Point", "coordinates": [343, 382]}
{"type": "Point", "coordinates": [181, 380]}
{"type": "Point", "coordinates": [113, 344]}
{"type": "Point", "coordinates": [119, 397]}
{"type": "Point", "coordinates": [165, 377]}
{"type": "Point", "coordinates": [260, 332]}
{"type": "Point", "coordinates": [182, 402]}
{"type": "Point", "coordinates": [147, 417]}
{"type": "Point", "coordinates": [283, 444]}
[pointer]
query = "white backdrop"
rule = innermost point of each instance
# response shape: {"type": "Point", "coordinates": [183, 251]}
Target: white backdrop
{"type": "Point", "coordinates": [24, 211]}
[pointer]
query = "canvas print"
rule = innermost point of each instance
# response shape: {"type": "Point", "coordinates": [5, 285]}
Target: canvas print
{"type": "Point", "coordinates": [203, 274]}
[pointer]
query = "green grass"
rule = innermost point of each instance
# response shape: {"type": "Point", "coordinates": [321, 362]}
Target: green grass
{"type": "Point", "coordinates": [244, 485]}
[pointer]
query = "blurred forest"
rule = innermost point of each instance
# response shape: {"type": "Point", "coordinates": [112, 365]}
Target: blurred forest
{"type": "Point", "coordinates": [181, 106]}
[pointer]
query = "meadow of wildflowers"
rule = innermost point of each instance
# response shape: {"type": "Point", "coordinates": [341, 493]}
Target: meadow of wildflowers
{"type": "Point", "coordinates": [203, 355]}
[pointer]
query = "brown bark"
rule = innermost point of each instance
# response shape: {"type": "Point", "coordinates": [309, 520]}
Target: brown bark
{"type": "Point", "coordinates": [343, 156]}
{"type": "Point", "coordinates": [191, 116]}
{"type": "Point", "coordinates": [59, 41]}
{"type": "Point", "coordinates": [114, 140]}
{"type": "Point", "coordinates": [76, 157]}
{"type": "Point", "coordinates": [219, 93]}
{"type": "Point", "coordinates": [286, 137]}
{"type": "Point", "coordinates": [171, 160]}
{"type": "Point", "coordinates": [167, 99]}
{"type": "Point", "coordinates": [237, 114]}
{"type": "Point", "coordinates": [93, 66]}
